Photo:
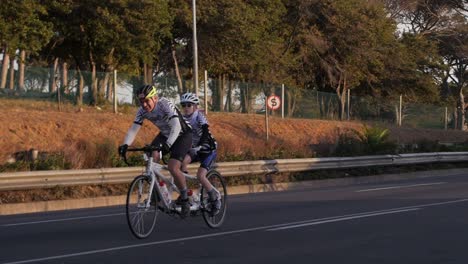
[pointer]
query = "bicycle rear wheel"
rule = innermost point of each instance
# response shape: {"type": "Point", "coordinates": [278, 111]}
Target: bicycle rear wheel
{"type": "Point", "coordinates": [214, 219]}
{"type": "Point", "coordinates": [141, 218]}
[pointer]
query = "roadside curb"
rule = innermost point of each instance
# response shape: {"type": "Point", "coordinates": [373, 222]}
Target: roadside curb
{"type": "Point", "coordinates": [47, 206]}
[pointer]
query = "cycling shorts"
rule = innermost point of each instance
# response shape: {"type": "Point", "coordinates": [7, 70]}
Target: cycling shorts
{"type": "Point", "coordinates": [206, 159]}
{"type": "Point", "coordinates": [180, 147]}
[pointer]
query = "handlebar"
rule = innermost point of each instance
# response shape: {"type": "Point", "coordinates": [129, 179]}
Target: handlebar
{"type": "Point", "coordinates": [147, 149]}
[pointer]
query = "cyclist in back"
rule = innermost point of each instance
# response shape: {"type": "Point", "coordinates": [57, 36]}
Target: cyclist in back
{"type": "Point", "coordinates": [175, 136]}
{"type": "Point", "coordinates": [203, 146]}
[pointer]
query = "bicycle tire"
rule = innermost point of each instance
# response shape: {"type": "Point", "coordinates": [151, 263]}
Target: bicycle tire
{"type": "Point", "coordinates": [217, 219]}
{"type": "Point", "coordinates": [141, 220]}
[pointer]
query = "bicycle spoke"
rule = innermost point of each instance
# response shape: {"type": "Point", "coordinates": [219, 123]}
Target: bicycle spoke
{"type": "Point", "coordinates": [141, 219]}
{"type": "Point", "coordinates": [215, 219]}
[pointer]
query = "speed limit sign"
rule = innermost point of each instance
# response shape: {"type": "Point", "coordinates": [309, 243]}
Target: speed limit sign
{"type": "Point", "coordinates": [273, 102]}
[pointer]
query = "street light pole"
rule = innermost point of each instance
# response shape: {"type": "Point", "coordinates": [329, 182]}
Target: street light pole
{"type": "Point", "coordinates": [195, 48]}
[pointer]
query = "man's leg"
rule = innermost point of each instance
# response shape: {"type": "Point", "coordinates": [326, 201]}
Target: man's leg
{"type": "Point", "coordinates": [186, 162]}
{"type": "Point", "coordinates": [178, 152]}
{"type": "Point", "coordinates": [174, 169]}
{"type": "Point", "coordinates": [213, 195]}
{"type": "Point", "coordinates": [201, 175]}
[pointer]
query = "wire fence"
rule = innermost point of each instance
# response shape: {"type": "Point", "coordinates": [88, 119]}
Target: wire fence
{"type": "Point", "coordinates": [227, 96]}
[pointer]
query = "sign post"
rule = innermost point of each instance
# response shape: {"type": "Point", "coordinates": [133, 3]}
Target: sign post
{"type": "Point", "coordinates": [273, 102]}
{"type": "Point", "coordinates": [282, 101]}
{"type": "Point", "coordinates": [267, 129]}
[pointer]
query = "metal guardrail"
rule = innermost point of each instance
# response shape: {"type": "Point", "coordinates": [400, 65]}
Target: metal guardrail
{"type": "Point", "coordinates": [46, 179]}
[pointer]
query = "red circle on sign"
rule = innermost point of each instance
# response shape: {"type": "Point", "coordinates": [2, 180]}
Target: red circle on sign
{"type": "Point", "coordinates": [273, 102]}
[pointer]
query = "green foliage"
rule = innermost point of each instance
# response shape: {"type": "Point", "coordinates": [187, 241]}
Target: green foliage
{"type": "Point", "coordinates": [15, 166]}
{"type": "Point", "coordinates": [371, 141]}
{"type": "Point", "coordinates": [324, 45]}
{"type": "Point", "coordinates": [248, 33]}
{"type": "Point", "coordinates": [51, 162]}
{"type": "Point", "coordinates": [22, 25]}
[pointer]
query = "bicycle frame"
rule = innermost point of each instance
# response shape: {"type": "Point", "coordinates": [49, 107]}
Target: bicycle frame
{"type": "Point", "coordinates": [153, 170]}
{"type": "Point", "coordinates": [141, 216]}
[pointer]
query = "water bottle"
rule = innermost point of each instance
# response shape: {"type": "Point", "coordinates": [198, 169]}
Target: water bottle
{"type": "Point", "coordinates": [165, 193]}
{"type": "Point", "coordinates": [190, 196]}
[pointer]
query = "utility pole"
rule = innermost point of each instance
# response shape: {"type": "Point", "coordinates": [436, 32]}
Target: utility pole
{"type": "Point", "coordinates": [195, 48]}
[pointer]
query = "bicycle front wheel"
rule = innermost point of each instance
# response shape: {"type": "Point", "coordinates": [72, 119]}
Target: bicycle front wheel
{"type": "Point", "coordinates": [214, 218]}
{"type": "Point", "coordinates": [141, 218]}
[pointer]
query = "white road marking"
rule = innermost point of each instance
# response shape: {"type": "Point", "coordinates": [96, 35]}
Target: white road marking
{"type": "Point", "coordinates": [401, 186]}
{"type": "Point", "coordinates": [341, 219]}
{"type": "Point", "coordinates": [270, 227]}
{"type": "Point", "coordinates": [62, 219]}
{"type": "Point", "coordinates": [107, 215]}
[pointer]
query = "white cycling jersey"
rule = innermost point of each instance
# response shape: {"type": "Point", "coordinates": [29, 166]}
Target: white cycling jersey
{"type": "Point", "coordinates": [165, 116]}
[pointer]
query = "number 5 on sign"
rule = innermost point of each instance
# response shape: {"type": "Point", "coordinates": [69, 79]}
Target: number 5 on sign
{"type": "Point", "coordinates": [273, 102]}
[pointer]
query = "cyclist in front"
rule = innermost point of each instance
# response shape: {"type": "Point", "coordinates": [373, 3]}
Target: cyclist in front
{"type": "Point", "coordinates": [203, 147]}
{"type": "Point", "coordinates": [175, 136]}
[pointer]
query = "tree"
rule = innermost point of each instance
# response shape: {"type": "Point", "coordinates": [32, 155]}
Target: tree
{"type": "Point", "coordinates": [247, 46]}
{"type": "Point", "coordinates": [341, 44]}
{"type": "Point", "coordinates": [454, 47]}
{"type": "Point", "coordinates": [439, 21]}
{"type": "Point", "coordinates": [28, 32]}
{"type": "Point", "coordinates": [102, 36]}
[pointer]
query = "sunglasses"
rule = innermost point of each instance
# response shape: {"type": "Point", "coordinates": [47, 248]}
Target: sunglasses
{"type": "Point", "coordinates": [186, 105]}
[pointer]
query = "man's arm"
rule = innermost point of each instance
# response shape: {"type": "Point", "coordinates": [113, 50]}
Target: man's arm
{"type": "Point", "coordinates": [174, 124]}
{"type": "Point", "coordinates": [131, 134]}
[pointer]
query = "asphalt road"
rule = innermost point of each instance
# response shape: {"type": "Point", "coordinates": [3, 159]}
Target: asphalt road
{"type": "Point", "coordinates": [412, 221]}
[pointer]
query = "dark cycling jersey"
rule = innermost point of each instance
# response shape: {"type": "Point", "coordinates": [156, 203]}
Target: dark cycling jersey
{"type": "Point", "coordinates": [196, 120]}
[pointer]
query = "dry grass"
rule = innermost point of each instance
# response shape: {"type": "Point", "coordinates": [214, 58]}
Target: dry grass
{"type": "Point", "coordinates": [86, 136]}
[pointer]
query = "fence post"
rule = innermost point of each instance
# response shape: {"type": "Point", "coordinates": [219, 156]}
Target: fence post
{"type": "Point", "coordinates": [349, 93]}
{"type": "Point", "coordinates": [59, 100]}
{"type": "Point", "coordinates": [266, 120]}
{"type": "Point", "coordinates": [401, 104]}
{"type": "Point", "coordinates": [206, 92]}
{"type": "Point", "coordinates": [282, 100]}
{"type": "Point", "coordinates": [115, 92]}
{"type": "Point", "coordinates": [446, 118]}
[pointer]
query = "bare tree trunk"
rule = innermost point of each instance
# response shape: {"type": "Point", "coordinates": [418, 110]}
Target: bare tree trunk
{"type": "Point", "coordinates": [12, 74]}
{"type": "Point", "coordinates": [149, 74]}
{"type": "Point", "coordinates": [176, 67]}
{"type": "Point", "coordinates": [52, 80]}
{"type": "Point", "coordinates": [94, 88]}
{"type": "Point", "coordinates": [6, 62]}
{"type": "Point", "coordinates": [65, 78]}
{"type": "Point", "coordinates": [145, 72]}
{"type": "Point", "coordinates": [217, 96]}
{"type": "Point", "coordinates": [22, 62]}
{"type": "Point", "coordinates": [221, 92]}
{"type": "Point", "coordinates": [103, 85]}
{"type": "Point", "coordinates": [110, 89]}
{"type": "Point", "coordinates": [461, 109]}
{"type": "Point", "coordinates": [322, 105]}
{"type": "Point", "coordinates": [245, 94]}
{"type": "Point", "coordinates": [341, 94]}
{"type": "Point", "coordinates": [291, 99]}
{"type": "Point", "coordinates": [228, 105]}
{"type": "Point", "coordinates": [79, 92]}
{"type": "Point", "coordinates": [445, 91]}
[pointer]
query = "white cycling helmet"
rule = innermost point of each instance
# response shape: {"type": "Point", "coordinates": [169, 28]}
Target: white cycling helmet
{"type": "Point", "coordinates": [189, 98]}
